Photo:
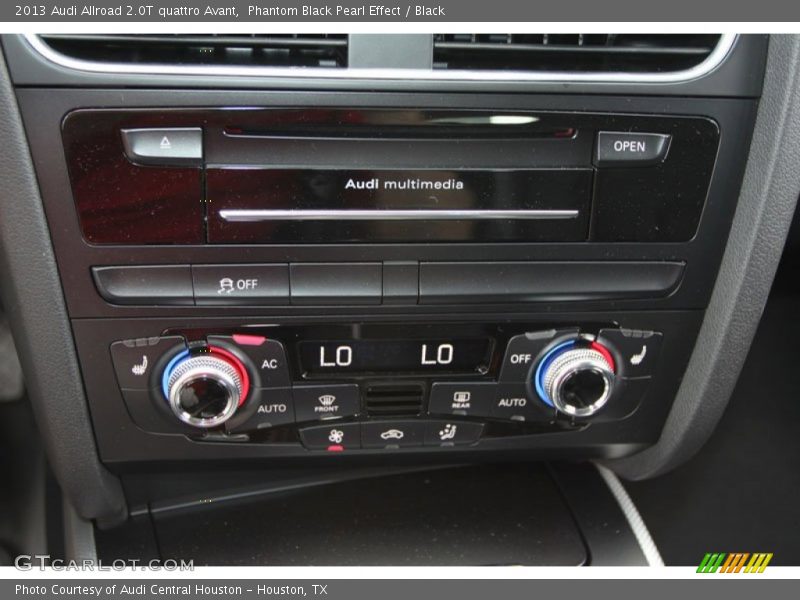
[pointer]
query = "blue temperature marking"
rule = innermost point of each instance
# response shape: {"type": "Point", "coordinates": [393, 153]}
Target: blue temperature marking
{"type": "Point", "coordinates": [168, 371]}
{"type": "Point", "coordinates": [543, 364]}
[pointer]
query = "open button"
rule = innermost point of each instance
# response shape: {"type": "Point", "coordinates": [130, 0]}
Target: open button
{"type": "Point", "coordinates": [630, 149]}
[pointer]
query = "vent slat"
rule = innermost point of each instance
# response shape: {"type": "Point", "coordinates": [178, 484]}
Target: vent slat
{"type": "Point", "coordinates": [283, 50]}
{"type": "Point", "coordinates": [482, 47]}
{"type": "Point", "coordinates": [657, 53]}
{"type": "Point", "coordinates": [394, 400]}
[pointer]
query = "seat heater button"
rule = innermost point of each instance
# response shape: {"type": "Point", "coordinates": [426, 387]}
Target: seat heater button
{"type": "Point", "coordinates": [636, 351]}
{"type": "Point", "coordinates": [135, 360]}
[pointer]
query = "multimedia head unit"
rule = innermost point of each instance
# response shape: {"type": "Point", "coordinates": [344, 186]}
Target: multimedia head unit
{"type": "Point", "coordinates": [300, 176]}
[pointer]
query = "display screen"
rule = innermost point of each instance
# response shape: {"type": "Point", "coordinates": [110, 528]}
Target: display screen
{"type": "Point", "coordinates": [427, 189]}
{"type": "Point", "coordinates": [470, 355]}
{"type": "Point", "coordinates": [423, 205]}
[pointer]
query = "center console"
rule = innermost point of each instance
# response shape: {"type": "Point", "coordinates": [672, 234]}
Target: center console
{"type": "Point", "coordinates": [345, 279]}
{"type": "Point", "coordinates": [343, 273]}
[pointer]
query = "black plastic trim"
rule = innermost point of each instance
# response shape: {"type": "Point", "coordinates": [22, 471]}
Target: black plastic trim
{"type": "Point", "coordinates": [34, 301]}
{"type": "Point", "coordinates": [764, 213]}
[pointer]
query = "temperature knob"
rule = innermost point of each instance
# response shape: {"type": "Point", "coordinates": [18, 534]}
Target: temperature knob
{"type": "Point", "coordinates": [577, 380]}
{"type": "Point", "coordinates": [205, 390]}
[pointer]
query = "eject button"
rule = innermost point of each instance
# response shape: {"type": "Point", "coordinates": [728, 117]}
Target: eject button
{"type": "Point", "coordinates": [164, 147]}
{"type": "Point", "coordinates": [621, 149]}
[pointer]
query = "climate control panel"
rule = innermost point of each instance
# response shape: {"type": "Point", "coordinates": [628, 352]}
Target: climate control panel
{"type": "Point", "coordinates": [354, 387]}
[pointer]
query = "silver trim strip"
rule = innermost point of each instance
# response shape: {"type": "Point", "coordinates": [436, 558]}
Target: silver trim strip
{"type": "Point", "coordinates": [640, 531]}
{"type": "Point", "coordinates": [79, 541]}
{"type": "Point", "coordinates": [712, 61]}
{"type": "Point", "coordinates": [254, 216]}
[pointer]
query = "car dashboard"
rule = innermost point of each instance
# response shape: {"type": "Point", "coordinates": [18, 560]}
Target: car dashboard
{"type": "Point", "coordinates": [379, 273]}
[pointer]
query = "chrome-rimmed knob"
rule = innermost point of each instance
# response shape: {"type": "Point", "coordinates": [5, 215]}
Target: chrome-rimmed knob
{"type": "Point", "coordinates": [579, 381]}
{"type": "Point", "coordinates": [204, 391]}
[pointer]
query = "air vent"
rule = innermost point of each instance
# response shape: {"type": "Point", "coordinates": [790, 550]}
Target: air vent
{"type": "Point", "coordinates": [587, 53]}
{"type": "Point", "coordinates": [288, 50]}
{"type": "Point", "coordinates": [393, 400]}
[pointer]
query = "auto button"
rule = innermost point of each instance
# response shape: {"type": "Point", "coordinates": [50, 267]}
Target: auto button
{"type": "Point", "coordinates": [515, 402]}
{"type": "Point", "coordinates": [269, 408]}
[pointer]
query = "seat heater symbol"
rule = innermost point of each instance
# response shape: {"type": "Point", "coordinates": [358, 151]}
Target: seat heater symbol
{"type": "Point", "coordinates": [448, 433]}
{"type": "Point", "coordinates": [225, 286]}
{"type": "Point", "coordinates": [327, 399]}
{"type": "Point", "coordinates": [141, 368]}
{"type": "Point", "coordinates": [336, 436]}
{"type": "Point", "coordinates": [637, 359]}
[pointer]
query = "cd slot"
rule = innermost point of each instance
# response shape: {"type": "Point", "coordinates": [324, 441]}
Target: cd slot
{"type": "Point", "coordinates": [252, 216]}
{"type": "Point", "coordinates": [400, 132]}
{"type": "Point", "coordinates": [400, 124]}
{"type": "Point", "coordinates": [394, 153]}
